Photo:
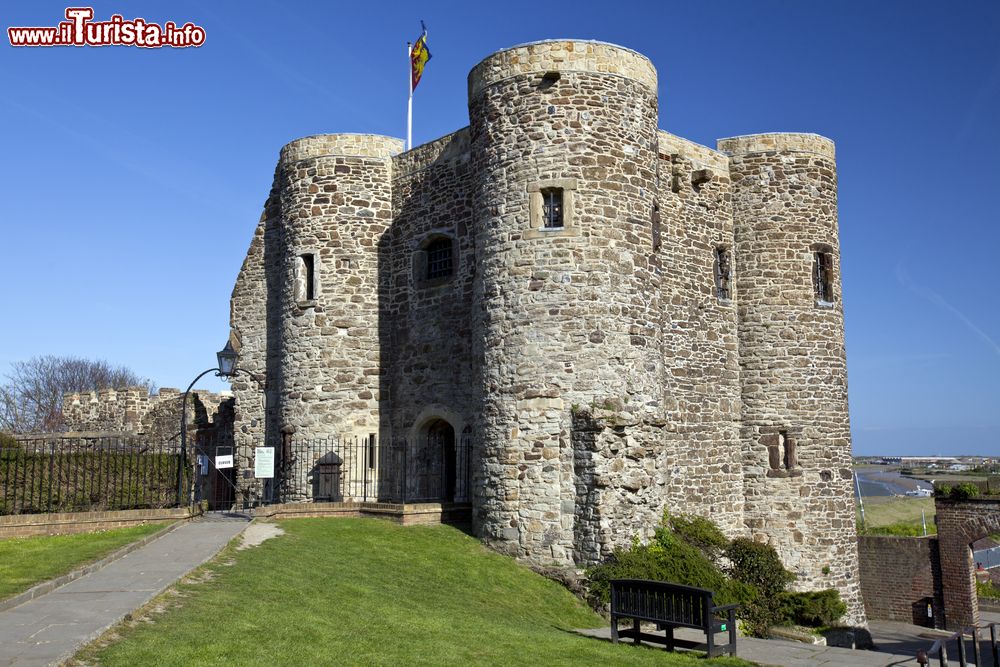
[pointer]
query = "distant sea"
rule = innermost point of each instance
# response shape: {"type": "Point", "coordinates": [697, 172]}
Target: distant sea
{"type": "Point", "coordinates": [879, 483]}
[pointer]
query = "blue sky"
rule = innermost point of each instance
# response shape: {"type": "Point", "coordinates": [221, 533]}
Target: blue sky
{"type": "Point", "coordinates": [133, 178]}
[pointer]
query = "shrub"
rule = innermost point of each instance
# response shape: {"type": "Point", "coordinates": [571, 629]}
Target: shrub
{"type": "Point", "coordinates": [668, 557]}
{"type": "Point", "coordinates": [701, 533]}
{"type": "Point", "coordinates": [758, 564]}
{"type": "Point", "coordinates": [7, 441]}
{"type": "Point", "coordinates": [964, 491]}
{"type": "Point", "coordinates": [815, 609]}
{"type": "Point", "coordinates": [987, 589]}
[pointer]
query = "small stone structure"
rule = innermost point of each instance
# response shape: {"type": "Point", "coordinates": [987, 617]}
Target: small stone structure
{"type": "Point", "coordinates": [622, 320]}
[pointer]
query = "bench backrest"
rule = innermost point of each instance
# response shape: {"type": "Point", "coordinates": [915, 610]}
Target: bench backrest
{"type": "Point", "coordinates": [661, 601]}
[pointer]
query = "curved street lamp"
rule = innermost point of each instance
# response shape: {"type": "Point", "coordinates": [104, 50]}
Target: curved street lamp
{"type": "Point", "coordinates": [226, 358]}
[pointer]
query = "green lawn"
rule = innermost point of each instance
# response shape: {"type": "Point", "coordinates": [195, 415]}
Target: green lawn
{"type": "Point", "coordinates": [888, 512]}
{"type": "Point", "coordinates": [26, 561]}
{"type": "Point", "coordinates": [363, 591]}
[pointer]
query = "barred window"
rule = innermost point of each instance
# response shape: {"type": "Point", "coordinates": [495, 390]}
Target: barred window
{"type": "Point", "coordinates": [552, 208]}
{"type": "Point", "coordinates": [823, 276]}
{"type": "Point", "coordinates": [723, 273]}
{"type": "Point", "coordinates": [439, 261]}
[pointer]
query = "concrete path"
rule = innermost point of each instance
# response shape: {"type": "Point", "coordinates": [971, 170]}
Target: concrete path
{"type": "Point", "coordinates": [51, 628]}
{"type": "Point", "coordinates": [897, 644]}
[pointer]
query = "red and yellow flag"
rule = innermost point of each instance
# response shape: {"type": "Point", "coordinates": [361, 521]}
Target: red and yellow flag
{"type": "Point", "coordinates": [419, 55]}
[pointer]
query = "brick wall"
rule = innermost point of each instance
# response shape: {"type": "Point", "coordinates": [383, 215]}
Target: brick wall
{"type": "Point", "coordinates": [960, 523]}
{"type": "Point", "coordinates": [900, 576]}
{"type": "Point", "coordinates": [26, 525]}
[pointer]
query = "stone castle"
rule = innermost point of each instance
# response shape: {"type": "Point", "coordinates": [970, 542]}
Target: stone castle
{"type": "Point", "coordinates": [620, 321]}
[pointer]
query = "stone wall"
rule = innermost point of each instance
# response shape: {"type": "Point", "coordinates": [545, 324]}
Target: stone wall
{"type": "Point", "coordinates": [426, 324]}
{"type": "Point", "coordinates": [702, 457]}
{"type": "Point", "coordinates": [795, 426]}
{"type": "Point", "coordinates": [134, 410]}
{"type": "Point", "coordinates": [900, 577]}
{"type": "Point", "coordinates": [565, 316]}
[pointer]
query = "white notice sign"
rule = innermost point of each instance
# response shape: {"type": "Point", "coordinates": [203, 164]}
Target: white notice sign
{"type": "Point", "coordinates": [263, 462]}
{"type": "Point", "coordinates": [224, 461]}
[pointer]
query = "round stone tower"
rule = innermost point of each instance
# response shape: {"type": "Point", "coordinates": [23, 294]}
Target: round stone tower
{"type": "Point", "coordinates": [795, 430]}
{"type": "Point", "coordinates": [335, 204]}
{"type": "Point", "coordinates": [567, 288]}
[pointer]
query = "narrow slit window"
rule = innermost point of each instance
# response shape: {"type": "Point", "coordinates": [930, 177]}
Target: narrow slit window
{"type": "Point", "coordinates": [552, 208]}
{"type": "Point", "coordinates": [723, 273]}
{"type": "Point", "coordinates": [371, 451]}
{"type": "Point", "coordinates": [439, 259]}
{"type": "Point", "coordinates": [823, 276]}
{"type": "Point", "coordinates": [656, 227]}
{"type": "Point", "coordinates": [306, 277]}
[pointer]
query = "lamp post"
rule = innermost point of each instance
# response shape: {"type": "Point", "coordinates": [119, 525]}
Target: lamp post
{"type": "Point", "coordinates": [226, 358]}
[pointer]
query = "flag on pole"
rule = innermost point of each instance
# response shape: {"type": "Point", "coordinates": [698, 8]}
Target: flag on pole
{"type": "Point", "coordinates": [419, 55]}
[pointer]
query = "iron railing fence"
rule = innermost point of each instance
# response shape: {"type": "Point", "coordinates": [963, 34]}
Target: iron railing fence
{"type": "Point", "coordinates": [363, 469]}
{"type": "Point", "coordinates": [54, 473]}
{"type": "Point", "coordinates": [961, 652]}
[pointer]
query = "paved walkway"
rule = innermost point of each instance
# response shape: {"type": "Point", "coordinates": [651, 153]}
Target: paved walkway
{"type": "Point", "coordinates": [897, 645]}
{"type": "Point", "coordinates": [50, 628]}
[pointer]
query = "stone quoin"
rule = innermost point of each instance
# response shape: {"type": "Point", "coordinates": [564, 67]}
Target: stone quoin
{"type": "Point", "coordinates": [622, 321]}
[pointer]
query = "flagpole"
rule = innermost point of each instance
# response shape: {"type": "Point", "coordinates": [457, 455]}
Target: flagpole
{"type": "Point", "coordinates": [409, 102]}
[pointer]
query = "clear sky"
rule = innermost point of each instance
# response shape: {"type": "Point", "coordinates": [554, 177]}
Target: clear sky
{"type": "Point", "coordinates": [132, 178]}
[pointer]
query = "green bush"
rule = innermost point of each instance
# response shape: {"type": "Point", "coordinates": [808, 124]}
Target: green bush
{"type": "Point", "coordinates": [987, 589]}
{"type": "Point", "coordinates": [701, 533]}
{"type": "Point", "coordinates": [7, 441]}
{"type": "Point", "coordinates": [758, 564]}
{"type": "Point", "coordinates": [666, 558]}
{"type": "Point", "coordinates": [964, 491]}
{"type": "Point", "coordinates": [815, 609]}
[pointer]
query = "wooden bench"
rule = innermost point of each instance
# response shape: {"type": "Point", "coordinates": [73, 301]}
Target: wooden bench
{"type": "Point", "coordinates": [671, 606]}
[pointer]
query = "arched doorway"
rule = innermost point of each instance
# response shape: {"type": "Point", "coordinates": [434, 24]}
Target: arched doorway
{"type": "Point", "coordinates": [439, 446]}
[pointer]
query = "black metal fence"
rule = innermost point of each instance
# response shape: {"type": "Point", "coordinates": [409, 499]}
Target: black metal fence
{"type": "Point", "coordinates": [73, 473]}
{"type": "Point", "coordinates": [88, 473]}
{"type": "Point", "coordinates": [976, 637]}
{"type": "Point", "coordinates": [363, 469]}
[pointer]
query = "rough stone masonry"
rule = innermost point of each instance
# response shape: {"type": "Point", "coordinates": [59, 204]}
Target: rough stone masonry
{"type": "Point", "coordinates": [621, 320]}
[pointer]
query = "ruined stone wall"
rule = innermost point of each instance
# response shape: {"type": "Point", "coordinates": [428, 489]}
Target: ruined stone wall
{"type": "Point", "coordinates": [795, 426]}
{"type": "Point", "coordinates": [426, 324]}
{"type": "Point", "coordinates": [564, 316]}
{"type": "Point", "coordinates": [134, 410]}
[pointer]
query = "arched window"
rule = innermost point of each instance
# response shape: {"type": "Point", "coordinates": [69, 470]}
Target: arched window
{"type": "Point", "coordinates": [439, 258]}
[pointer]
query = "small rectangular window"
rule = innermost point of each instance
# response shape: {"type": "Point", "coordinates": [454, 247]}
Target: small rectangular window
{"type": "Point", "coordinates": [371, 451]}
{"type": "Point", "coordinates": [552, 208]}
{"type": "Point", "coordinates": [823, 276]}
{"type": "Point", "coordinates": [439, 258]}
{"type": "Point", "coordinates": [723, 273]}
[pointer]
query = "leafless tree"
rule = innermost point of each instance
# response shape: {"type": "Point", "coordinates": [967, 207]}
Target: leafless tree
{"type": "Point", "coordinates": [31, 398]}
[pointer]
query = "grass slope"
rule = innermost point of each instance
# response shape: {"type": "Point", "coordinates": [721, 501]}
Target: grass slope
{"type": "Point", "coordinates": [887, 511]}
{"type": "Point", "coordinates": [363, 591]}
{"type": "Point", "coordinates": [26, 561]}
